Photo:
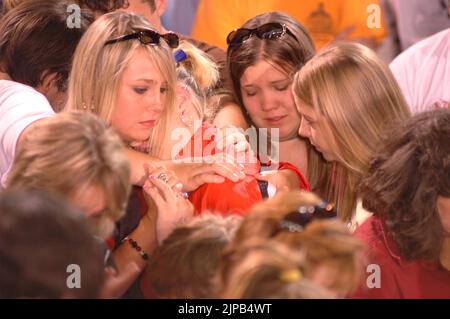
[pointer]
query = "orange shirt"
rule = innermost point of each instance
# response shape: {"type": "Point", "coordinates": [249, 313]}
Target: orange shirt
{"type": "Point", "coordinates": [326, 20]}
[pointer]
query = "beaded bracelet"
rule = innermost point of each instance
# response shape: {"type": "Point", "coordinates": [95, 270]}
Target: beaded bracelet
{"type": "Point", "coordinates": [136, 246]}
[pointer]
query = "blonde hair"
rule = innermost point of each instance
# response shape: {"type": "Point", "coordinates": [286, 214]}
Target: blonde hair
{"type": "Point", "coordinates": [10, 4]}
{"type": "Point", "coordinates": [323, 242]}
{"type": "Point", "coordinates": [358, 98]}
{"type": "Point", "coordinates": [187, 260]}
{"type": "Point", "coordinates": [198, 72]}
{"type": "Point", "coordinates": [70, 151]}
{"type": "Point", "coordinates": [97, 69]}
{"type": "Point", "coordinates": [264, 269]}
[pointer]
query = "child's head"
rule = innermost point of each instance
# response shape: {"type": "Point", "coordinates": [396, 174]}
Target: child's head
{"type": "Point", "coordinates": [187, 260]}
{"type": "Point", "coordinates": [264, 269]}
{"type": "Point", "coordinates": [197, 75]}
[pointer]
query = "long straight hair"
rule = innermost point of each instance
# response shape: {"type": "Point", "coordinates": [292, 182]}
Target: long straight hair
{"type": "Point", "coordinates": [358, 99]}
{"type": "Point", "coordinates": [97, 70]}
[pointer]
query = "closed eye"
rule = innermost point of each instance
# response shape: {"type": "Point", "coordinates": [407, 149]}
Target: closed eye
{"type": "Point", "coordinates": [250, 93]}
{"type": "Point", "coordinates": [281, 87]}
{"type": "Point", "coordinates": [140, 90]}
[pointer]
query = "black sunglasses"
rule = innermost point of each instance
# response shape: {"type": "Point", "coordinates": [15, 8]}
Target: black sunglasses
{"type": "Point", "coordinates": [269, 31]}
{"type": "Point", "coordinates": [149, 37]}
{"type": "Point", "coordinates": [297, 220]}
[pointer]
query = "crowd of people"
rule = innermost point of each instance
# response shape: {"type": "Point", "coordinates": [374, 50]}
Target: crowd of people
{"type": "Point", "coordinates": [267, 155]}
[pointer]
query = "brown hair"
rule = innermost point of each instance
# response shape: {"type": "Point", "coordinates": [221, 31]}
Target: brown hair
{"type": "Point", "coordinates": [287, 54]}
{"type": "Point", "coordinates": [104, 6]}
{"type": "Point", "coordinates": [264, 269]}
{"type": "Point", "coordinates": [404, 180]}
{"type": "Point", "coordinates": [40, 237]}
{"type": "Point", "coordinates": [324, 242]}
{"type": "Point", "coordinates": [35, 39]}
{"type": "Point", "coordinates": [187, 260]}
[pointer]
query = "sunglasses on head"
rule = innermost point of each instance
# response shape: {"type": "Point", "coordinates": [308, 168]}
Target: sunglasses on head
{"type": "Point", "coordinates": [149, 37]}
{"type": "Point", "coordinates": [297, 220]}
{"type": "Point", "coordinates": [269, 31]}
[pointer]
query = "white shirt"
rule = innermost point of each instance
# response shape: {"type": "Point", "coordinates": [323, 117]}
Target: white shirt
{"type": "Point", "coordinates": [423, 73]}
{"type": "Point", "coordinates": [20, 105]}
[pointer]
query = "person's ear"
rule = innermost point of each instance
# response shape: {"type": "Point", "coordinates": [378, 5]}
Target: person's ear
{"type": "Point", "coordinates": [49, 81]}
{"type": "Point", "coordinates": [161, 6]}
{"type": "Point", "coordinates": [183, 94]}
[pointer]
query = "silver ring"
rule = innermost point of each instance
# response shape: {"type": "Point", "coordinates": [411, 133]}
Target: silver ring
{"type": "Point", "coordinates": [163, 177]}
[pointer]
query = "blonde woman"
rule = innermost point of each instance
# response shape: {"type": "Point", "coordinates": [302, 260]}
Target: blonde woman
{"type": "Point", "coordinates": [75, 156]}
{"type": "Point", "coordinates": [347, 98]}
{"type": "Point", "coordinates": [124, 72]}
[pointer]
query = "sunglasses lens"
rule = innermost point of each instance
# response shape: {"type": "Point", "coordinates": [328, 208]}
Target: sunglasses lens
{"type": "Point", "coordinates": [270, 31]}
{"type": "Point", "coordinates": [240, 36]}
{"type": "Point", "coordinates": [148, 37]}
{"type": "Point", "coordinates": [231, 36]}
{"type": "Point", "coordinates": [172, 40]}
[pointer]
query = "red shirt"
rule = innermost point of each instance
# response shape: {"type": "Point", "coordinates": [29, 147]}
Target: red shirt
{"type": "Point", "coordinates": [228, 197]}
{"type": "Point", "coordinates": [399, 278]}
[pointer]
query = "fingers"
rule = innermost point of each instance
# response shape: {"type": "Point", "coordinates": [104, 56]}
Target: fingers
{"type": "Point", "coordinates": [115, 284]}
{"type": "Point", "coordinates": [231, 171]}
{"type": "Point", "coordinates": [155, 195]}
{"type": "Point", "coordinates": [165, 190]}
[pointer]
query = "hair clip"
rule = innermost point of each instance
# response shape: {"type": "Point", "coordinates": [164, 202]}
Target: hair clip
{"type": "Point", "coordinates": [180, 55]}
{"type": "Point", "coordinates": [291, 275]}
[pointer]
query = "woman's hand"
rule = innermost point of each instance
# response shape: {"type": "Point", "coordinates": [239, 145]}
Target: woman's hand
{"type": "Point", "coordinates": [192, 174]}
{"type": "Point", "coordinates": [162, 190]}
{"type": "Point", "coordinates": [282, 179]}
{"type": "Point", "coordinates": [232, 142]}
{"type": "Point", "coordinates": [205, 170]}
